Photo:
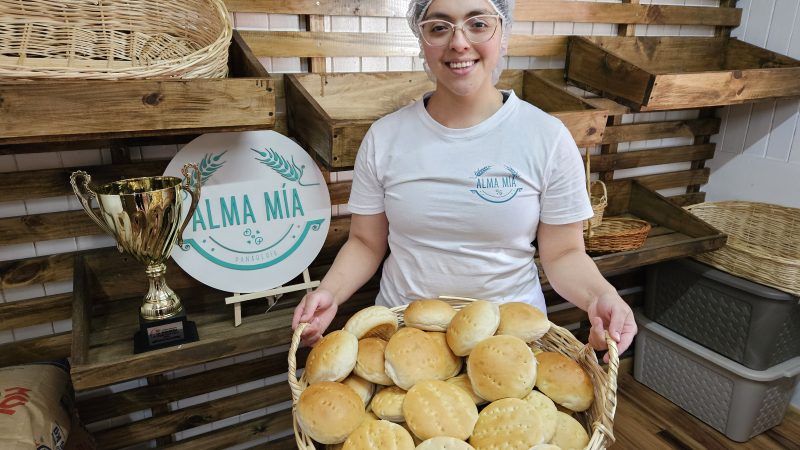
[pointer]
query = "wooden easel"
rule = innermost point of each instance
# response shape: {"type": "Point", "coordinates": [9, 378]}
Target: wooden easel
{"type": "Point", "coordinates": [272, 296]}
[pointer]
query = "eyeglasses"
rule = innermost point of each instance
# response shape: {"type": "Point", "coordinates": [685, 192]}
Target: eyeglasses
{"type": "Point", "coordinates": [477, 29]}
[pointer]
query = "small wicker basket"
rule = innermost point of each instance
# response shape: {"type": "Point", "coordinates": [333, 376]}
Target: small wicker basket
{"type": "Point", "coordinates": [616, 234]}
{"type": "Point", "coordinates": [763, 244]}
{"type": "Point", "coordinates": [598, 197]}
{"type": "Point", "coordinates": [113, 39]}
{"type": "Point", "coordinates": [598, 419]}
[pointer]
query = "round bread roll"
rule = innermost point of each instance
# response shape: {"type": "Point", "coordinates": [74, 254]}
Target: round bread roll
{"type": "Point", "coordinates": [362, 387]}
{"type": "Point", "coordinates": [452, 362]}
{"type": "Point", "coordinates": [370, 363]}
{"type": "Point", "coordinates": [547, 412]}
{"type": "Point", "coordinates": [411, 356]}
{"type": "Point", "coordinates": [463, 382]}
{"type": "Point", "coordinates": [388, 404]}
{"type": "Point", "coordinates": [570, 434]}
{"type": "Point", "coordinates": [417, 440]}
{"type": "Point", "coordinates": [509, 423]}
{"type": "Point", "coordinates": [474, 323]}
{"type": "Point", "coordinates": [444, 443]}
{"type": "Point", "coordinates": [328, 412]}
{"type": "Point", "coordinates": [373, 321]}
{"type": "Point", "coordinates": [333, 358]}
{"type": "Point", "coordinates": [382, 434]}
{"type": "Point", "coordinates": [429, 314]}
{"type": "Point", "coordinates": [564, 381]}
{"type": "Point", "coordinates": [500, 367]}
{"type": "Point", "coordinates": [522, 320]}
{"type": "Point", "coordinates": [436, 408]}
{"type": "Point", "coordinates": [545, 447]}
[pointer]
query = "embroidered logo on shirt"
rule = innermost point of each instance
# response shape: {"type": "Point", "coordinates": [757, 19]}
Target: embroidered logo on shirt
{"type": "Point", "coordinates": [493, 187]}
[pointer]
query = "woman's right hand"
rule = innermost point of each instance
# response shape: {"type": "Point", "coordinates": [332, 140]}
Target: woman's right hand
{"type": "Point", "coordinates": [317, 309]}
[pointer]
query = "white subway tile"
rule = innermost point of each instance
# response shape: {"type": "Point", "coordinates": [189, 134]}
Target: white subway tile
{"type": "Point", "coordinates": [252, 21]}
{"type": "Point", "coordinates": [8, 164]}
{"type": "Point", "coordinates": [33, 331]}
{"type": "Point", "coordinates": [124, 386]}
{"type": "Point", "coordinates": [36, 161]}
{"type": "Point", "coordinates": [284, 22]}
{"type": "Point", "coordinates": [95, 241]}
{"type": "Point", "coordinates": [17, 251]}
{"type": "Point", "coordinates": [346, 64]}
{"type": "Point", "coordinates": [253, 414]}
{"type": "Point", "coordinates": [249, 386]}
{"type": "Point", "coordinates": [58, 287]}
{"type": "Point", "coordinates": [62, 326]}
{"type": "Point", "coordinates": [6, 336]}
{"type": "Point", "coordinates": [582, 29]}
{"type": "Point", "coordinates": [192, 432]}
{"type": "Point", "coordinates": [562, 28]}
{"type": "Point", "coordinates": [522, 28]}
{"type": "Point", "coordinates": [373, 64]}
{"type": "Point", "coordinates": [397, 25]}
{"type": "Point", "coordinates": [345, 175]}
{"type": "Point", "coordinates": [344, 24]}
{"type": "Point", "coordinates": [400, 63]}
{"type": "Point", "coordinates": [154, 152]}
{"type": "Point", "coordinates": [539, 62]}
{"type": "Point", "coordinates": [13, 209]}
{"type": "Point", "coordinates": [23, 292]}
{"type": "Point", "coordinates": [221, 393]}
{"type": "Point", "coordinates": [192, 401]}
{"type": "Point", "coordinates": [224, 423]}
{"type": "Point", "coordinates": [224, 362]}
{"type": "Point", "coordinates": [47, 205]}
{"type": "Point", "coordinates": [343, 210]}
{"type": "Point", "coordinates": [81, 158]}
{"type": "Point", "coordinates": [266, 61]}
{"type": "Point", "coordinates": [55, 246]}
{"type": "Point", "coordinates": [284, 65]}
{"type": "Point", "coordinates": [518, 62]}
{"type": "Point", "coordinates": [373, 25]}
{"type": "Point", "coordinates": [543, 28]}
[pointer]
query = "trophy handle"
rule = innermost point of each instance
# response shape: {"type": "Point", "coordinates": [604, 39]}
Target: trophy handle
{"type": "Point", "coordinates": [80, 184]}
{"type": "Point", "coordinates": [194, 191]}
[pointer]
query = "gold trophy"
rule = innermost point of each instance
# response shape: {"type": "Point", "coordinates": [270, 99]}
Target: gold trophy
{"type": "Point", "coordinates": [143, 215]}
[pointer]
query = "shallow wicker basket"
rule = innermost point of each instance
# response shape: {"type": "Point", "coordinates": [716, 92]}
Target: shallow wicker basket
{"type": "Point", "coordinates": [616, 234]}
{"type": "Point", "coordinates": [598, 419]}
{"type": "Point", "coordinates": [763, 242]}
{"type": "Point", "coordinates": [113, 39]}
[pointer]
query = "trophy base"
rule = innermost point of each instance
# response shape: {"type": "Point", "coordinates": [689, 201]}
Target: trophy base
{"type": "Point", "coordinates": [156, 334]}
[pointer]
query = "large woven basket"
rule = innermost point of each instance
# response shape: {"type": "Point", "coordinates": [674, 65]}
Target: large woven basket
{"type": "Point", "coordinates": [113, 39]}
{"type": "Point", "coordinates": [763, 242]}
{"type": "Point", "coordinates": [598, 419]}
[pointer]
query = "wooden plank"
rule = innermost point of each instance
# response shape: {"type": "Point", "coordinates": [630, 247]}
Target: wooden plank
{"type": "Point", "coordinates": [81, 312]}
{"type": "Point", "coordinates": [64, 144]}
{"type": "Point", "coordinates": [658, 130]}
{"type": "Point", "coordinates": [673, 179]}
{"type": "Point", "coordinates": [687, 199]}
{"type": "Point", "coordinates": [36, 270]}
{"type": "Point", "coordinates": [651, 157]}
{"type": "Point", "coordinates": [25, 313]}
{"type": "Point", "coordinates": [653, 206]}
{"type": "Point", "coordinates": [42, 227]}
{"type": "Point", "coordinates": [45, 348]}
{"type": "Point", "coordinates": [250, 430]}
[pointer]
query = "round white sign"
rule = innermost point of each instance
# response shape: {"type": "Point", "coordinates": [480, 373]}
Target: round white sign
{"type": "Point", "coordinates": [263, 214]}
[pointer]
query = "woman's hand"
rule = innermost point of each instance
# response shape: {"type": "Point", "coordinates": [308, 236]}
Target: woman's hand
{"type": "Point", "coordinates": [610, 312]}
{"type": "Point", "coordinates": [317, 309]}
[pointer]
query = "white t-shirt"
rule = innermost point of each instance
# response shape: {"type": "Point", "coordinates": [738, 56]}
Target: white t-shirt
{"type": "Point", "coordinates": [464, 205]}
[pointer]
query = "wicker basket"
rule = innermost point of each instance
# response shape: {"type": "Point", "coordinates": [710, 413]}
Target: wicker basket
{"type": "Point", "coordinates": [598, 197]}
{"type": "Point", "coordinates": [598, 419]}
{"type": "Point", "coordinates": [113, 39]}
{"type": "Point", "coordinates": [616, 235]}
{"type": "Point", "coordinates": [763, 242]}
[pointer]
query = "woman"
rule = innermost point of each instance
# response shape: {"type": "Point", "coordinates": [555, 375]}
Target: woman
{"type": "Point", "coordinates": [459, 185]}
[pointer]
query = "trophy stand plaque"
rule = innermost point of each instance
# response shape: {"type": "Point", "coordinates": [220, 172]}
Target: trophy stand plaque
{"type": "Point", "coordinates": [156, 334]}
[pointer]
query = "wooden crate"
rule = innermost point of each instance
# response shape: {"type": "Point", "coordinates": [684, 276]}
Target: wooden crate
{"type": "Point", "coordinates": [331, 113]}
{"type": "Point", "coordinates": [662, 73]}
{"type": "Point", "coordinates": [60, 110]}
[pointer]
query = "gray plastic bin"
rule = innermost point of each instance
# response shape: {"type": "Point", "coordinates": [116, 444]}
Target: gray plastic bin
{"type": "Point", "coordinates": [737, 401]}
{"type": "Point", "coordinates": [750, 323]}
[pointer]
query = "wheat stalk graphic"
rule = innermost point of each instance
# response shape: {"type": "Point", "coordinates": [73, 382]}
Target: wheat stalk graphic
{"type": "Point", "coordinates": [273, 160]}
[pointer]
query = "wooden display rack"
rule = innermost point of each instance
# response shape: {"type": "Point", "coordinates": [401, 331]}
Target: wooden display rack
{"type": "Point", "coordinates": [330, 113]}
{"type": "Point", "coordinates": [60, 110]}
{"type": "Point", "coordinates": [663, 73]}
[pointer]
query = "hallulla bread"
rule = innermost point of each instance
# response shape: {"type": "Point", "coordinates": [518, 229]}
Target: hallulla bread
{"type": "Point", "coordinates": [475, 322]}
{"type": "Point", "coordinates": [500, 367]}
{"type": "Point", "coordinates": [444, 443]}
{"type": "Point", "coordinates": [436, 408]}
{"type": "Point", "coordinates": [547, 412]}
{"type": "Point", "coordinates": [379, 434]}
{"type": "Point", "coordinates": [463, 382]}
{"type": "Point", "coordinates": [570, 434]}
{"type": "Point", "coordinates": [362, 387]}
{"type": "Point", "coordinates": [429, 314]}
{"type": "Point", "coordinates": [564, 381]}
{"type": "Point", "coordinates": [451, 361]}
{"type": "Point", "coordinates": [328, 412]}
{"type": "Point", "coordinates": [522, 320]}
{"type": "Point", "coordinates": [371, 363]}
{"type": "Point", "coordinates": [374, 321]}
{"type": "Point", "coordinates": [333, 358]}
{"type": "Point", "coordinates": [388, 404]}
{"type": "Point", "coordinates": [509, 423]}
{"type": "Point", "coordinates": [411, 356]}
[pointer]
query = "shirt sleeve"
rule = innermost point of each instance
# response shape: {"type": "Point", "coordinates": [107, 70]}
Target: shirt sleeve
{"type": "Point", "coordinates": [564, 199]}
{"type": "Point", "coordinates": [366, 192]}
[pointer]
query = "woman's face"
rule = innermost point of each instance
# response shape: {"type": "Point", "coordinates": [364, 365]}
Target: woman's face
{"type": "Point", "coordinates": [462, 67]}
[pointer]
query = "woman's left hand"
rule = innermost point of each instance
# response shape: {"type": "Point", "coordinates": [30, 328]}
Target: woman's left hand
{"type": "Point", "coordinates": [610, 312]}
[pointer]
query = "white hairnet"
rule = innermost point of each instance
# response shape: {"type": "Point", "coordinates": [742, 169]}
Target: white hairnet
{"type": "Point", "coordinates": [505, 8]}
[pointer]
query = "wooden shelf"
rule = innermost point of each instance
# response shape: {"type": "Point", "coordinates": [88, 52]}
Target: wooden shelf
{"type": "Point", "coordinates": [55, 111]}
{"type": "Point", "coordinates": [664, 73]}
{"type": "Point", "coordinates": [330, 113]}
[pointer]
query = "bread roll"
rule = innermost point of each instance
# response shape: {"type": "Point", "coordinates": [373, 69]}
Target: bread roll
{"type": "Point", "coordinates": [373, 321]}
{"type": "Point", "coordinates": [474, 323]}
{"type": "Point", "coordinates": [362, 387]}
{"type": "Point", "coordinates": [411, 356]}
{"type": "Point", "coordinates": [545, 447]}
{"type": "Point", "coordinates": [417, 440]}
{"type": "Point", "coordinates": [388, 404]}
{"type": "Point", "coordinates": [379, 434]}
{"type": "Point", "coordinates": [333, 358]}
{"type": "Point", "coordinates": [429, 314]}
{"type": "Point", "coordinates": [570, 434]}
{"type": "Point", "coordinates": [509, 423]}
{"type": "Point", "coordinates": [435, 408]}
{"type": "Point", "coordinates": [444, 443]}
{"type": "Point", "coordinates": [500, 367]}
{"type": "Point", "coordinates": [452, 362]}
{"type": "Point", "coordinates": [463, 382]}
{"type": "Point", "coordinates": [547, 412]}
{"type": "Point", "coordinates": [370, 363]}
{"type": "Point", "coordinates": [328, 412]}
{"type": "Point", "coordinates": [564, 381]}
{"type": "Point", "coordinates": [522, 320]}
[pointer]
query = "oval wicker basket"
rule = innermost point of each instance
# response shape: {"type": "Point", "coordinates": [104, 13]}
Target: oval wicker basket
{"type": "Point", "coordinates": [598, 419]}
{"type": "Point", "coordinates": [763, 244]}
{"type": "Point", "coordinates": [113, 39]}
{"type": "Point", "coordinates": [616, 234]}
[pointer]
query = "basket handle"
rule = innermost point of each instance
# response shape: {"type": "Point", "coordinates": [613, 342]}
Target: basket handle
{"type": "Point", "coordinates": [294, 385]}
{"type": "Point", "coordinates": [605, 421]}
